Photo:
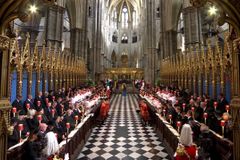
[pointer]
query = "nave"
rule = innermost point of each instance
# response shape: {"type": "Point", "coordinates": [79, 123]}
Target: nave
{"type": "Point", "coordinates": [123, 136]}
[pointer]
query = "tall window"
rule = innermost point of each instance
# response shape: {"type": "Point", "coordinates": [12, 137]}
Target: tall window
{"type": "Point", "coordinates": [125, 17]}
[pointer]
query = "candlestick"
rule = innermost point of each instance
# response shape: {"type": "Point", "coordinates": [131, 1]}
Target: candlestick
{"type": "Point", "coordinates": [205, 115]}
{"type": "Point", "coordinates": [28, 106]}
{"type": "Point", "coordinates": [76, 119]}
{"type": "Point", "coordinates": [179, 125]}
{"type": "Point", "coordinates": [53, 112]}
{"type": "Point", "coordinates": [14, 110]}
{"type": "Point", "coordinates": [227, 108]}
{"type": "Point", "coordinates": [39, 117]}
{"type": "Point", "coordinates": [184, 106]}
{"type": "Point", "coordinates": [223, 125]}
{"type": "Point", "coordinates": [20, 129]}
{"type": "Point", "coordinates": [170, 118]}
{"type": "Point", "coordinates": [215, 105]}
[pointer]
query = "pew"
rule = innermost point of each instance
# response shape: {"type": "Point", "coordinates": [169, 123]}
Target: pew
{"type": "Point", "coordinates": [170, 136]}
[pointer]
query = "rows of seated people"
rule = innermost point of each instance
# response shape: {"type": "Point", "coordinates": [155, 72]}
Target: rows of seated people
{"type": "Point", "coordinates": [182, 108]}
{"type": "Point", "coordinates": [58, 112]}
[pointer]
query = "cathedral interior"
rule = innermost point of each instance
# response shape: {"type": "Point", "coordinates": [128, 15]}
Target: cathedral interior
{"type": "Point", "coordinates": [120, 79]}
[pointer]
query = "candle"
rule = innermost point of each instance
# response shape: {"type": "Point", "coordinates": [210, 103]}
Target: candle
{"type": "Point", "coordinates": [227, 108]}
{"type": "Point", "coordinates": [53, 112]}
{"type": "Point", "coordinates": [164, 113]}
{"type": "Point", "coordinates": [179, 125]}
{"type": "Point", "coordinates": [170, 118]}
{"type": "Point", "coordinates": [193, 109]}
{"type": "Point", "coordinates": [20, 129]}
{"type": "Point", "coordinates": [14, 110]}
{"type": "Point", "coordinates": [67, 126]}
{"type": "Point", "coordinates": [28, 106]}
{"type": "Point", "coordinates": [76, 119]}
{"type": "Point", "coordinates": [39, 117]}
{"type": "Point", "coordinates": [215, 105]}
{"type": "Point", "coordinates": [184, 106]}
{"type": "Point", "coordinates": [222, 125]}
{"type": "Point", "coordinates": [205, 115]}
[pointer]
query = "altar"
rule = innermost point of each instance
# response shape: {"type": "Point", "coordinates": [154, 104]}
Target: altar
{"type": "Point", "coordinates": [124, 73]}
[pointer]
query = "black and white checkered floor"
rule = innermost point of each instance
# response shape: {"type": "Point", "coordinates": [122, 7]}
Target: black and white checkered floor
{"type": "Point", "coordinates": [123, 136]}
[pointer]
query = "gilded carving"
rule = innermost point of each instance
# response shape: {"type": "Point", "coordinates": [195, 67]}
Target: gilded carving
{"type": "Point", "coordinates": [4, 42]}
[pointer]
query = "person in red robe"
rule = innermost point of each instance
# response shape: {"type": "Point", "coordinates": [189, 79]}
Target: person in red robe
{"type": "Point", "coordinates": [186, 149]}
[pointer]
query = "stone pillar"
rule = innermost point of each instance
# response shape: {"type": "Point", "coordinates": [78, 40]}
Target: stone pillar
{"type": "Point", "coordinates": [96, 52]}
{"type": "Point", "coordinates": [192, 25]}
{"type": "Point", "coordinates": [76, 42]}
{"type": "Point", "coordinates": [54, 25]}
{"type": "Point", "coordinates": [151, 42]}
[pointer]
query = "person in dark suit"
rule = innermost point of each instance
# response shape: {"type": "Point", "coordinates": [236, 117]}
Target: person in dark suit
{"type": "Point", "coordinates": [59, 129]}
{"type": "Point", "coordinates": [30, 102]}
{"type": "Point", "coordinates": [18, 103]}
{"type": "Point", "coordinates": [198, 114]}
{"type": "Point", "coordinates": [222, 102]}
{"type": "Point", "coordinates": [32, 147]}
{"type": "Point", "coordinates": [13, 136]}
{"type": "Point", "coordinates": [39, 97]}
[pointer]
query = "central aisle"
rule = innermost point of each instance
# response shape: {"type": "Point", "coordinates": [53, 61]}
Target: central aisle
{"type": "Point", "coordinates": [123, 136]}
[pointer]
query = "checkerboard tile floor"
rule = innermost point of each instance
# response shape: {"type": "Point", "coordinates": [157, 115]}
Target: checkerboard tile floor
{"type": "Point", "coordinates": [123, 136]}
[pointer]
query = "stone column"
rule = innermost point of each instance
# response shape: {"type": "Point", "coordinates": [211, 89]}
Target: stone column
{"type": "Point", "coordinates": [151, 42]}
{"type": "Point", "coordinates": [75, 44]}
{"type": "Point", "coordinates": [54, 25]}
{"type": "Point", "coordinates": [192, 25]}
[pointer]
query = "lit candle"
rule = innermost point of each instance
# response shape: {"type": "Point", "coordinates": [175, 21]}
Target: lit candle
{"type": "Point", "coordinates": [28, 106]}
{"type": "Point", "coordinates": [20, 129]}
{"type": "Point", "coordinates": [68, 127]}
{"type": "Point", "coordinates": [184, 106]}
{"type": "Point", "coordinates": [205, 115]}
{"type": "Point", "coordinates": [164, 113]}
{"type": "Point", "coordinates": [76, 119]}
{"type": "Point", "coordinates": [227, 108]}
{"type": "Point", "coordinates": [53, 112]}
{"type": "Point", "coordinates": [14, 111]}
{"type": "Point", "coordinates": [222, 125]}
{"type": "Point", "coordinates": [179, 125]}
{"type": "Point", "coordinates": [39, 117]}
{"type": "Point", "coordinates": [215, 105]}
{"type": "Point", "coordinates": [170, 118]}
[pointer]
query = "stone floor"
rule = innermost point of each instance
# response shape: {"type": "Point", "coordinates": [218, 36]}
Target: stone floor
{"type": "Point", "coordinates": [123, 136]}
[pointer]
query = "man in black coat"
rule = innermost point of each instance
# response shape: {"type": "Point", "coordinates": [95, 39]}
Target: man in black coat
{"type": "Point", "coordinates": [30, 102]}
{"type": "Point", "coordinates": [222, 102]}
{"type": "Point", "coordinates": [18, 103]}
